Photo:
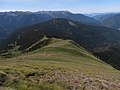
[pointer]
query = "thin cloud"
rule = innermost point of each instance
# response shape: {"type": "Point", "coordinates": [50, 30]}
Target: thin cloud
{"type": "Point", "coordinates": [33, 0]}
{"type": "Point", "coordinates": [70, 5]}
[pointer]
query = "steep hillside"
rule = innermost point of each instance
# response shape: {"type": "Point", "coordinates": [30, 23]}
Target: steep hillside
{"type": "Point", "coordinates": [61, 65]}
{"type": "Point", "coordinates": [93, 38]}
{"type": "Point", "coordinates": [112, 22]}
{"type": "Point", "coordinates": [12, 20]}
{"type": "Point", "coordinates": [3, 32]}
{"type": "Point", "coordinates": [90, 37]}
{"type": "Point", "coordinates": [104, 16]}
{"type": "Point", "coordinates": [25, 44]}
{"type": "Point", "coordinates": [110, 55]}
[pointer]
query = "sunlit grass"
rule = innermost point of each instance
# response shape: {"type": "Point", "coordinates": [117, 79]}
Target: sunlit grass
{"type": "Point", "coordinates": [55, 67]}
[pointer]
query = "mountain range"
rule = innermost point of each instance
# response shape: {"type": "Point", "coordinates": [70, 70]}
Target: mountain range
{"type": "Point", "coordinates": [10, 21]}
{"type": "Point", "coordinates": [103, 16]}
{"type": "Point", "coordinates": [59, 50]}
{"type": "Point", "coordinates": [93, 38]}
{"type": "Point", "coordinates": [112, 22]}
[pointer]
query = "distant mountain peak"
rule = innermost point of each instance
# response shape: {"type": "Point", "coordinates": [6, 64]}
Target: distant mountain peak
{"type": "Point", "coordinates": [59, 12]}
{"type": "Point", "coordinates": [112, 22]}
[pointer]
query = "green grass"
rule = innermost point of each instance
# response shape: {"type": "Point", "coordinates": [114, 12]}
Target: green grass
{"type": "Point", "coordinates": [56, 67]}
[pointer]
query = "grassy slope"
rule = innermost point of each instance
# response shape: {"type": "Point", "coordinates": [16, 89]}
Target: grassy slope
{"type": "Point", "coordinates": [59, 66]}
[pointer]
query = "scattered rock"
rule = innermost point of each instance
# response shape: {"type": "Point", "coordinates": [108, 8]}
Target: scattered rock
{"type": "Point", "coordinates": [3, 77]}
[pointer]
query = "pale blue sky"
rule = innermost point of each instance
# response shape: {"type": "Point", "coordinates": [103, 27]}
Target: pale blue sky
{"type": "Point", "coordinates": [76, 6]}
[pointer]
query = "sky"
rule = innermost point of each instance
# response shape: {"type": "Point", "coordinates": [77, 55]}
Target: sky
{"type": "Point", "coordinates": [75, 6]}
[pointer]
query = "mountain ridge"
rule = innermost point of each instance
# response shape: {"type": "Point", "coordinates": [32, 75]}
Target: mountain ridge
{"type": "Point", "coordinates": [112, 22]}
{"type": "Point", "coordinates": [57, 66]}
{"type": "Point", "coordinates": [93, 38]}
{"type": "Point", "coordinates": [13, 20]}
{"type": "Point", "coordinates": [64, 28]}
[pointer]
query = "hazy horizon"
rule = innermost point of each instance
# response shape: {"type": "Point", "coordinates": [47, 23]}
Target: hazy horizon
{"type": "Point", "coordinates": [74, 6]}
{"type": "Point", "coordinates": [56, 10]}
